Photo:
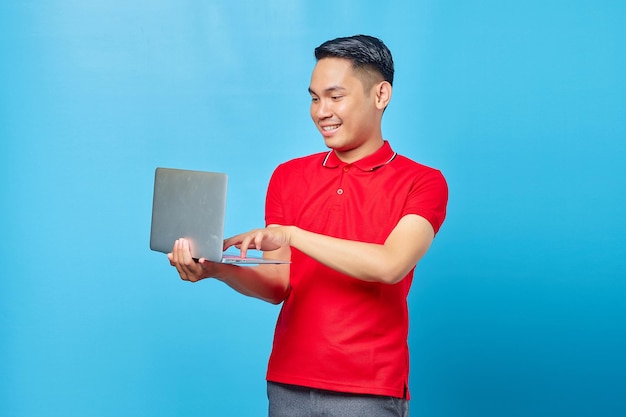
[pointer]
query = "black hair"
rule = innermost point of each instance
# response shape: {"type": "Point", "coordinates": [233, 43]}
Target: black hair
{"type": "Point", "coordinates": [365, 52]}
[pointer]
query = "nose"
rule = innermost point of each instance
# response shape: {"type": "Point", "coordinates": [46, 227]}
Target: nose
{"type": "Point", "coordinates": [321, 109]}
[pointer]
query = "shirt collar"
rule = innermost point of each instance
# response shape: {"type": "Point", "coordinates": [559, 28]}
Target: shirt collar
{"type": "Point", "coordinates": [372, 162]}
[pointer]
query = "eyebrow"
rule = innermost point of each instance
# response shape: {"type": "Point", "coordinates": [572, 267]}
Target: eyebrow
{"type": "Point", "coordinates": [329, 89]}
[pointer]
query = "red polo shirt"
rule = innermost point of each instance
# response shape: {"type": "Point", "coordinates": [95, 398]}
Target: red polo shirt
{"type": "Point", "coordinates": [336, 332]}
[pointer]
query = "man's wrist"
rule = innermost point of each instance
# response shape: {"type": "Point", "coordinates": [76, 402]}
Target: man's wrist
{"type": "Point", "coordinates": [292, 235]}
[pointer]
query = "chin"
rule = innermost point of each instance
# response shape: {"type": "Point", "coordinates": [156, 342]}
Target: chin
{"type": "Point", "coordinates": [333, 143]}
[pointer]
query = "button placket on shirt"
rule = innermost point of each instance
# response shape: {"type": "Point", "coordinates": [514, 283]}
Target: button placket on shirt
{"type": "Point", "coordinates": [345, 170]}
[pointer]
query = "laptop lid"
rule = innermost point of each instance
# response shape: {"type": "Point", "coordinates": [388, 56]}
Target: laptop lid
{"type": "Point", "coordinates": [191, 205]}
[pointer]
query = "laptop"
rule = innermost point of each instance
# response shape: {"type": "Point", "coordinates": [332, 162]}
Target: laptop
{"type": "Point", "coordinates": [192, 205]}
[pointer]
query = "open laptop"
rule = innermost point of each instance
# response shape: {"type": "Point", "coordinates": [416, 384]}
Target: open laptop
{"type": "Point", "coordinates": [192, 205]}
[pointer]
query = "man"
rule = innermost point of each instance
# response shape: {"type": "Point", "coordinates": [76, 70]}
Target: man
{"type": "Point", "coordinates": [354, 221]}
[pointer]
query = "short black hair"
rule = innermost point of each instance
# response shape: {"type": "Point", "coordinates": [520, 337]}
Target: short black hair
{"type": "Point", "coordinates": [365, 52]}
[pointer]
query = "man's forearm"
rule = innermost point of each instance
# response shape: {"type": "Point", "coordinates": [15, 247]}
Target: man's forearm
{"type": "Point", "coordinates": [267, 282]}
{"type": "Point", "coordinates": [388, 262]}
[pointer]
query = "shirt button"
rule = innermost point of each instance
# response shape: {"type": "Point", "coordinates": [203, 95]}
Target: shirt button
{"type": "Point", "coordinates": [346, 168]}
{"type": "Point", "coordinates": [340, 191]}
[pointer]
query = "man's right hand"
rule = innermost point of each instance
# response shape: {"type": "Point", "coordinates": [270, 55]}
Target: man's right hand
{"type": "Point", "coordinates": [188, 268]}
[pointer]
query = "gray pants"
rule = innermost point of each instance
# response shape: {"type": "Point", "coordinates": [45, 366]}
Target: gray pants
{"type": "Point", "coordinates": [296, 401]}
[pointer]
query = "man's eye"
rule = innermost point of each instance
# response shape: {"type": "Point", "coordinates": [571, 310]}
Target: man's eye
{"type": "Point", "coordinates": [315, 99]}
{"type": "Point", "coordinates": [336, 97]}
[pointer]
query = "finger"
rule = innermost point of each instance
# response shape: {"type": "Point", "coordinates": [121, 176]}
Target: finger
{"type": "Point", "coordinates": [233, 241]}
{"type": "Point", "coordinates": [258, 240]}
{"type": "Point", "coordinates": [229, 242]}
{"type": "Point", "coordinates": [187, 263]}
{"type": "Point", "coordinates": [184, 263]}
{"type": "Point", "coordinates": [245, 245]}
{"type": "Point", "coordinates": [177, 251]}
{"type": "Point", "coordinates": [177, 259]}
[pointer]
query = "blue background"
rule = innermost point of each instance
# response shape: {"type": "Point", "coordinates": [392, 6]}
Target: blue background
{"type": "Point", "coordinates": [517, 310]}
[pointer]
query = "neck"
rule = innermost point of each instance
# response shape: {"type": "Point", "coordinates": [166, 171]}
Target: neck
{"type": "Point", "coordinates": [366, 149]}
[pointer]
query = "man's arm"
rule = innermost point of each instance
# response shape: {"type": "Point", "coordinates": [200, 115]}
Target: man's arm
{"type": "Point", "coordinates": [388, 263]}
{"type": "Point", "coordinates": [268, 282]}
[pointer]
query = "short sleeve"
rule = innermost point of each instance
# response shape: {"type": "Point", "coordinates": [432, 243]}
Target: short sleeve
{"type": "Point", "coordinates": [428, 198]}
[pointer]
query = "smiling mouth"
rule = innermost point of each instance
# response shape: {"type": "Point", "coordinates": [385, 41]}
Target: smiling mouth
{"type": "Point", "coordinates": [330, 128]}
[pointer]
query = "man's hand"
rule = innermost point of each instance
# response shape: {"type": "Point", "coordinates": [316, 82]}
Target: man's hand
{"type": "Point", "coordinates": [188, 268]}
{"type": "Point", "coordinates": [266, 282]}
{"type": "Point", "coordinates": [268, 239]}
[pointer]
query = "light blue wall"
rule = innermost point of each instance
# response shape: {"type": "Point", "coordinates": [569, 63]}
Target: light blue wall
{"type": "Point", "coordinates": [518, 309]}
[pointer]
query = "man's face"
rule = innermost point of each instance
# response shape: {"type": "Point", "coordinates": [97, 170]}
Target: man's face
{"type": "Point", "coordinates": [344, 113]}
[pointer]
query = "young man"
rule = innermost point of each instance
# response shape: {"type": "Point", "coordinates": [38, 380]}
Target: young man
{"type": "Point", "coordinates": [354, 221]}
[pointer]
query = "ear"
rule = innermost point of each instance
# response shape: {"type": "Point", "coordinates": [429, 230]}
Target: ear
{"type": "Point", "coordinates": [383, 92]}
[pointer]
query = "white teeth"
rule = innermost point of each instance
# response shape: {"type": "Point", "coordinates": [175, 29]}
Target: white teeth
{"type": "Point", "coordinates": [329, 128]}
